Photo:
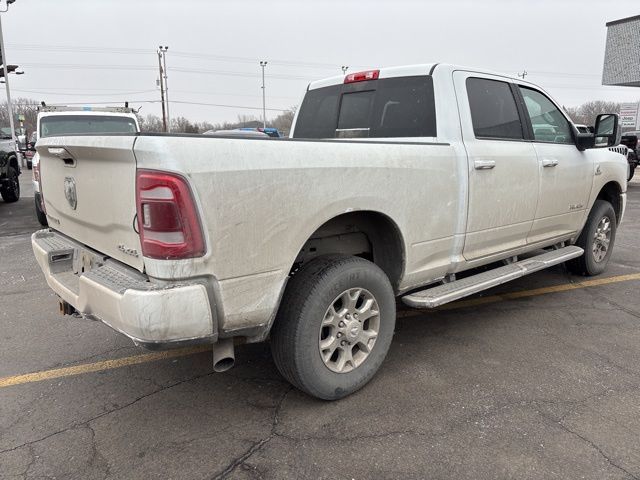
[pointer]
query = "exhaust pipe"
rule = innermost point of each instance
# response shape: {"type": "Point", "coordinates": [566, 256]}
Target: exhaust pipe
{"type": "Point", "coordinates": [224, 356]}
{"type": "Point", "coordinates": [66, 308]}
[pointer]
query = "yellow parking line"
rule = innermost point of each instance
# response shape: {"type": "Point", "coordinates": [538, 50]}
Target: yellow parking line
{"type": "Point", "coordinates": [99, 366]}
{"type": "Point", "coordinates": [182, 352]}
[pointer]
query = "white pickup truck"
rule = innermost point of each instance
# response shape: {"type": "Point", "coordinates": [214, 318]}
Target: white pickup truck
{"type": "Point", "coordinates": [56, 120]}
{"type": "Point", "coordinates": [396, 182]}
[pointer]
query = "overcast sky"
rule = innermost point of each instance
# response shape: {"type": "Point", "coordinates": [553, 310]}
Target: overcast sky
{"type": "Point", "coordinates": [91, 51]}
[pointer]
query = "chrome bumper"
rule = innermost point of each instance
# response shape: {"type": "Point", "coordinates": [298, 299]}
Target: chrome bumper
{"type": "Point", "coordinates": [100, 288]}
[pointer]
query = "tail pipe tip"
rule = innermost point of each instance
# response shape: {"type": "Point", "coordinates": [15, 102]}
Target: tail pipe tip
{"type": "Point", "coordinates": [224, 356]}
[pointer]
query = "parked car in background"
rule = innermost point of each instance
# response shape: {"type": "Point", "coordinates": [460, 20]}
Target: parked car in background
{"type": "Point", "coordinates": [9, 168]}
{"type": "Point", "coordinates": [238, 132]}
{"type": "Point", "coordinates": [63, 120]}
{"type": "Point", "coordinates": [272, 132]}
{"type": "Point", "coordinates": [30, 150]}
{"type": "Point", "coordinates": [630, 139]}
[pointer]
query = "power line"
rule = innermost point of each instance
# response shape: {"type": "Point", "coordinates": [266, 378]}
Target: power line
{"type": "Point", "coordinates": [244, 107]}
{"type": "Point", "coordinates": [40, 92]}
{"type": "Point", "coordinates": [183, 54]}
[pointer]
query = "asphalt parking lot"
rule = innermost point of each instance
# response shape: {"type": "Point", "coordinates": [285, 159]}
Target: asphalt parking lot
{"type": "Point", "coordinates": [537, 379]}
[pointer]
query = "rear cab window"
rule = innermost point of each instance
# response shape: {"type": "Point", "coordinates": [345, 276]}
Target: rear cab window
{"type": "Point", "coordinates": [384, 108]}
{"type": "Point", "coordinates": [57, 125]}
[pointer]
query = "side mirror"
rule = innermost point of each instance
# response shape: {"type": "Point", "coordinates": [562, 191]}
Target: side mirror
{"type": "Point", "coordinates": [607, 130]}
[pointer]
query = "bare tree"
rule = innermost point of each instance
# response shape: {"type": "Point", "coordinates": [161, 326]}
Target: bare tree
{"type": "Point", "coordinates": [587, 112]}
{"type": "Point", "coordinates": [22, 107]}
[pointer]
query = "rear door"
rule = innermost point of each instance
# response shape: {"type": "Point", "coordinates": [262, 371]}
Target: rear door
{"type": "Point", "coordinates": [503, 167]}
{"type": "Point", "coordinates": [89, 186]}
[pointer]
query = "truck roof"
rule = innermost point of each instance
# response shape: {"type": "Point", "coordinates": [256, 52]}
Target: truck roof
{"type": "Point", "coordinates": [87, 110]}
{"type": "Point", "coordinates": [408, 71]}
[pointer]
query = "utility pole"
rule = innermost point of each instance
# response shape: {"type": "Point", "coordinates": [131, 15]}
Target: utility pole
{"type": "Point", "coordinates": [166, 85]}
{"type": "Point", "coordinates": [161, 80]}
{"type": "Point", "coordinates": [6, 79]}
{"type": "Point", "coordinates": [523, 74]}
{"type": "Point", "coordinates": [264, 108]}
{"type": "Point", "coordinates": [344, 69]}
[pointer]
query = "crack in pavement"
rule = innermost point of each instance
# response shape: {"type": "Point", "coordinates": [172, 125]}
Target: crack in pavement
{"type": "Point", "coordinates": [598, 449]}
{"type": "Point", "coordinates": [122, 407]}
{"type": "Point", "coordinates": [257, 446]}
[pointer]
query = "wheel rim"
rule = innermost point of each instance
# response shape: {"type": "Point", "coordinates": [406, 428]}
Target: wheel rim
{"type": "Point", "coordinates": [602, 239]}
{"type": "Point", "coordinates": [349, 330]}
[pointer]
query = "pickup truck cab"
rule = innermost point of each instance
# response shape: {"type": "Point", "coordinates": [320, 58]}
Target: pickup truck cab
{"type": "Point", "coordinates": [57, 120]}
{"type": "Point", "coordinates": [395, 182]}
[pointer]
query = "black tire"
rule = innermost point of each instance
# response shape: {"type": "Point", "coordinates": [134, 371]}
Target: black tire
{"type": "Point", "coordinates": [42, 218]}
{"type": "Point", "coordinates": [587, 264]}
{"type": "Point", "coordinates": [631, 172]}
{"type": "Point", "coordinates": [10, 190]}
{"type": "Point", "coordinates": [297, 330]}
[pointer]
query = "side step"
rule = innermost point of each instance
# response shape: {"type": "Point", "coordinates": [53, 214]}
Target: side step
{"type": "Point", "coordinates": [448, 292]}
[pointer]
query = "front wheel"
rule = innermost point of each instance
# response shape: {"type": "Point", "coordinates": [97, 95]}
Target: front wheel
{"type": "Point", "coordinates": [597, 239]}
{"type": "Point", "coordinates": [334, 326]}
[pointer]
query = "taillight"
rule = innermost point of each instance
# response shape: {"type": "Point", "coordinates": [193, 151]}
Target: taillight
{"type": "Point", "coordinates": [168, 220]}
{"type": "Point", "coordinates": [362, 76]}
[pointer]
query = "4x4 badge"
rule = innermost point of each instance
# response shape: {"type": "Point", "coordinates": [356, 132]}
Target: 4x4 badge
{"type": "Point", "coordinates": [70, 192]}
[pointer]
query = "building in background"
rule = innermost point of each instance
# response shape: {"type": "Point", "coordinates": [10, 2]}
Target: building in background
{"type": "Point", "coordinates": [622, 64]}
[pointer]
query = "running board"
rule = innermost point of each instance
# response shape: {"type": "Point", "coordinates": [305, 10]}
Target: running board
{"type": "Point", "coordinates": [448, 292]}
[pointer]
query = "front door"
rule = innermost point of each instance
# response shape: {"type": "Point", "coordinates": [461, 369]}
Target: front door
{"type": "Point", "coordinates": [503, 166]}
{"type": "Point", "coordinates": [565, 172]}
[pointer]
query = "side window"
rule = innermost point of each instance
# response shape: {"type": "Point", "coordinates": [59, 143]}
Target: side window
{"type": "Point", "coordinates": [493, 109]}
{"type": "Point", "coordinates": [548, 123]}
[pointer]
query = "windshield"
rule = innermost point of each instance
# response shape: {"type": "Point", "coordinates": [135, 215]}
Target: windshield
{"type": "Point", "coordinates": [56, 125]}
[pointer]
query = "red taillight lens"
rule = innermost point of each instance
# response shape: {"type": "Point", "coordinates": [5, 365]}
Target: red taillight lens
{"type": "Point", "coordinates": [167, 216]}
{"type": "Point", "coordinates": [362, 76]}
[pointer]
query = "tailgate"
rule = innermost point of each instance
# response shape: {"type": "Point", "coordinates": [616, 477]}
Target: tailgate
{"type": "Point", "coordinates": [89, 189]}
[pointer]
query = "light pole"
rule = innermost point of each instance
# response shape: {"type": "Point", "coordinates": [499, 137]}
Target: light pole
{"type": "Point", "coordinates": [166, 86]}
{"type": "Point", "coordinates": [344, 69]}
{"type": "Point", "coordinates": [264, 108]}
{"type": "Point", "coordinates": [5, 71]}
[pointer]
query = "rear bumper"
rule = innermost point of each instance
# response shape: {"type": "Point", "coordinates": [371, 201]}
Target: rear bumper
{"type": "Point", "coordinates": [153, 315]}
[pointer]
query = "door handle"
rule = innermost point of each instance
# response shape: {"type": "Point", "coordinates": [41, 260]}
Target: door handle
{"type": "Point", "coordinates": [549, 162]}
{"type": "Point", "coordinates": [484, 164]}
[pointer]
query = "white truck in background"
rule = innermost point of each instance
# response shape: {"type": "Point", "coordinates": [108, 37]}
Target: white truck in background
{"type": "Point", "coordinates": [396, 182]}
{"type": "Point", "coordinates": [55, 120]}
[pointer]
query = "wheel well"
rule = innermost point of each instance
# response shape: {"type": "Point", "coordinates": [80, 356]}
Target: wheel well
{"type": "Point", "coordinates": [13, 161]}
{"type": "Point", "coordinates": [366, 234]}
{"type": "Point", "coordinates": [611, 193]}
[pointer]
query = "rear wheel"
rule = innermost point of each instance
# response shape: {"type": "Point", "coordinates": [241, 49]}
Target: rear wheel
{"type": "Point", "coordinates": [334, 326]}
{"type": "Point", "coordinates": [597, 239]}
{"type": "Point", "coordinates": [10, 189]}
